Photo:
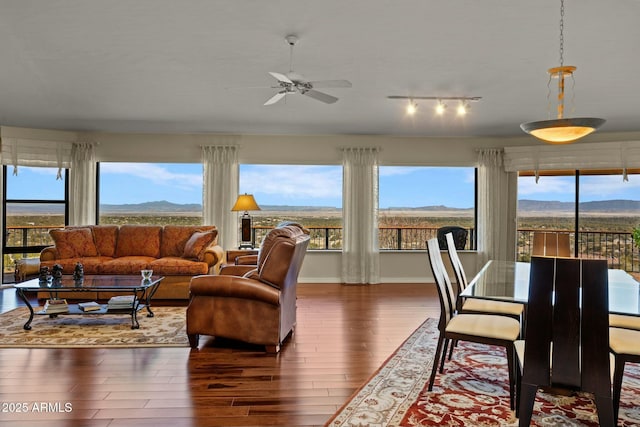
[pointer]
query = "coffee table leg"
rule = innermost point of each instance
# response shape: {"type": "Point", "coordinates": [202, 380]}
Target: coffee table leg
{"type": "Point", "coordinates": [23, 297]}
{"type": "Point", "coordinates": [149, 293]}
{"type": "Point", "coordinates": [134, 310]}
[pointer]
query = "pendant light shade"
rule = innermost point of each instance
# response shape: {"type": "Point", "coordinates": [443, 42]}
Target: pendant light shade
{"type": "Point", "coordinates": [562, 130]}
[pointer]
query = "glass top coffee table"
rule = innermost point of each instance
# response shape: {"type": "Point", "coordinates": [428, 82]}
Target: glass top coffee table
{"type": "Point", "coordinates": [140, 290]}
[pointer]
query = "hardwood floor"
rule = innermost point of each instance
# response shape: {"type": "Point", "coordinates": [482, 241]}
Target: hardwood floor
{"type": "Point", "coordinates": [344, 333]}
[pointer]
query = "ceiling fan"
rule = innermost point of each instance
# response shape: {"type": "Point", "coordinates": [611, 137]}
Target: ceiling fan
{"type": "Point", "coordinates": [293, 82]}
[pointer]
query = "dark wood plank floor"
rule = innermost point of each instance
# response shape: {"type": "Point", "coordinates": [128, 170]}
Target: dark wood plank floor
{"type": "Point", "coordinates": [344, 334]}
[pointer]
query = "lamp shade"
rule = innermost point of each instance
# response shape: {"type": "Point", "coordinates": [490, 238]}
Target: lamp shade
{"type": "Point", "coordinates": [245, 202]}
{"type": "Point", "coordinates": [562, 131]}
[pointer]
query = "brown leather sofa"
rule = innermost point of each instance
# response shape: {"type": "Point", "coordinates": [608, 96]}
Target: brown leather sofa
{"type": "Point", "coordinates": [176, 252]}
{"type": "Point", "coordinates": [259, 307]}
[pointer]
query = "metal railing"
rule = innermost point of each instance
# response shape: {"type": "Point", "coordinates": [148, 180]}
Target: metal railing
{"type": "Point", "coordinates": [617, 247]}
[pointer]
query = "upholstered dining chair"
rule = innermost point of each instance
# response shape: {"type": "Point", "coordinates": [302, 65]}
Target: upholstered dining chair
{"type": "Point", "coordinates": [567, 337]}
{"type": "Point", "coordinates": [479, 328]}
{"type": "Point", "coordinates": [476, 305]}
{"type": "Point", "coordinates": [625, 347]}
{"type": "Point", "coordinates": [551, 244]}
{"type": "Point", "coordinates": [257, 308]}
{"type": "Point", "coordinates": [460, 235]}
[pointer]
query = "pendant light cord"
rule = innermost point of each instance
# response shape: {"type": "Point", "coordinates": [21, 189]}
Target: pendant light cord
{"type": "Point", "coordinates": [561, 33]}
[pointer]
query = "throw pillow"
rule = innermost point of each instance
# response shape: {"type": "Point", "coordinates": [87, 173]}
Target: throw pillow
{"type": "Point", "coordinates": [74, 242]}
{"type": "Point", "coordinates": [197, 244]}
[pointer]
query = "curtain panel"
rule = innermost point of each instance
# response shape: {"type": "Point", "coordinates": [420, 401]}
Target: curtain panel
{"type": "Point", "coordinates": [360, 252]}
{"type": "Point", "coordinates": [497, 207]}
{"type": "Point", "coordinates": [600, 155]}
{"type": "Point", "coordinates": [82, 184]}
{"type": "Point", "coordinates": [220, 191]}
{"type": "Point", "coordinates": [35, 152]}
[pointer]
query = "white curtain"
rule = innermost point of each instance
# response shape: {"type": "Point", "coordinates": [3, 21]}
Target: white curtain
{"type": "Point", "coordinates": [360, 253]}
{"type": "Point", "coordinates": [82, 184]}
{"type": "Point", "coordinates": [35, 152]}
{"type": "Point", "coordinates": [597, 155]}
{"type": "Point", "coordinates": [497, 204]}
{"type": "Point", "coordinates": [220, 191]}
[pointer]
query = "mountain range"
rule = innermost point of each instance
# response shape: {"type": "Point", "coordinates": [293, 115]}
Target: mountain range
{"type": "Point", "coordinates": [163, 206]}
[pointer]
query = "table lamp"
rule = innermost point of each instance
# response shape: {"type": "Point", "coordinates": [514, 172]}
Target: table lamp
{"type": "Point", "coordinates": [245, 203]}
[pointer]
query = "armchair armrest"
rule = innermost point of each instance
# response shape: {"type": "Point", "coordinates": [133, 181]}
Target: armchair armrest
{"type": "Point", "coordinates": [233, 287]}
{"type": "Point", "coordinates": [236, 270]}
{"type": "Point", "coordinates": [247, 260]}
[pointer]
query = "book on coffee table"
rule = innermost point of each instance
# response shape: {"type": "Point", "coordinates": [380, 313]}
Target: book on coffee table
{"type": "Point", "coordinates": [89, 306]}
{"type": "Point", "coordinates": [120, 302]}
{"type": "Point", "coordinates": [53, 306]}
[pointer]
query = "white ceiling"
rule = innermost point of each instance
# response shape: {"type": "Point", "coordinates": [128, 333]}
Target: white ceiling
{"type": "Point", "coordinates": [175, 66]}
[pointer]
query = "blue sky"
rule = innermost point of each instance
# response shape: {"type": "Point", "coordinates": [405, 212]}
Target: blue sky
{"type": "Point", "coordinates": [310, 185]}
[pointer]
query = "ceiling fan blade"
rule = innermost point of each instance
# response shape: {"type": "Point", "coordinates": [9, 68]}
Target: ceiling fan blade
{"type": "Point", "coordinates": [275, 98]}
{"type": "Point", "coordinates": [331, 83]}
{"type": "Point", "coordinates": [281, 77]}
{"type": "Point", "coordinates": [320, 96]}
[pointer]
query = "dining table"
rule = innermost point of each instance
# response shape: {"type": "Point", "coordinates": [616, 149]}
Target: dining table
{"type": "Point", "coordinates": [509, 281]}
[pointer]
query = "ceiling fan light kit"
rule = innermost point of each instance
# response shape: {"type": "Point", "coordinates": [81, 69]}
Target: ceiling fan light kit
{"type": "Point", "coordinates": [562, 130]}
{"type": "Point", "coordinates": [292, 82]}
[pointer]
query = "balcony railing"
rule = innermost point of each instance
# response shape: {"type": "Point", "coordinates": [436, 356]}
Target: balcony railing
{"type": "Point", "coordinates": [617, 247]}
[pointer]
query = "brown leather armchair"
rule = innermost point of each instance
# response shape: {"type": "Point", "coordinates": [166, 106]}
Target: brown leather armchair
{"type": "Point", "coordinates": [259, 307]}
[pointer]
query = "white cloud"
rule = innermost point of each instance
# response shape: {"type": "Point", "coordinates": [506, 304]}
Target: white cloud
{"type": "Point", "coordinates": [610, 186]}
{"type": "Point", "coordinates": [293, 181]}
{"type": "Point", "coordinates": [154, 173]}
{"type": "Point", "coordinates": [546, 185]}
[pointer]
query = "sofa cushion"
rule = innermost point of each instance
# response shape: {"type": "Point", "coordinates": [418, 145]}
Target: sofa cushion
{"type": "Point", "coordinates": [198, 243]}
{"type": "Point", "coordinates": [90, 264]}
{"type": "Point", "coordinates": [125, 265]}
{"type": "Point", "coordinates": [176, 266]}
{"type": "Point", "coordinates": [142, 240]}
{"type": "Point", "coordinates": [174, 237]}
{"type": "Point", "coordinates": [105, 237]}
{"type": "Point", "coordinates": [74, 242]}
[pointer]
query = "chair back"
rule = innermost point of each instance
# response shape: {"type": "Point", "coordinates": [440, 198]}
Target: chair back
{"type": "Point", "coordinates": [461, 277]}
{"type": "Point", "coordinates": [459, 236]}
{"type": "Point", "coordinates": [551, 244]}
{"type": "Point", "coordinates": [568, 312]}
{"type": "Point", "coordinates": [281, 254]}
{"type": "Point", "coordinates": [445, 290]}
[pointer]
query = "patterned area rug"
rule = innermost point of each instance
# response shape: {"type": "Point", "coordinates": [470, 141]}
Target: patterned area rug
{"type": "Point", "coordinates": [472, 391]}
{"type": "Point", "coordinates": [166, 329]}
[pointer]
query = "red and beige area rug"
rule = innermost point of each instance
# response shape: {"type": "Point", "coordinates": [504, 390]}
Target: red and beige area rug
{"type": "Point", "coordinates": [472, 391]}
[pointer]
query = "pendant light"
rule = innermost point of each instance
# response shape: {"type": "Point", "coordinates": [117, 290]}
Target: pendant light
{"type": "Point", "coordinates": [562, 130]}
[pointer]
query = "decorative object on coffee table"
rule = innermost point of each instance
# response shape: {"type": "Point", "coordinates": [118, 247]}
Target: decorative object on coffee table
{"type": "Point", "coordinates": [43, 276]}
{"type": "Point", "coordinates": [56, 272]}
{"type": "Point", "coordinates": [78, 272]}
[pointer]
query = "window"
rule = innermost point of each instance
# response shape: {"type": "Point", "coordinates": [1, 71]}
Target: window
{"type": "Point", "coordinates": [415, 201]}
{"type": "Point", "coordinates": [150, 193]}
{"type": "Point", "coordinates": [597, 208]}
{"type": "Point", "coordinates": [35, 203]}
{"type": "Point", "coordinates": [309, 194]}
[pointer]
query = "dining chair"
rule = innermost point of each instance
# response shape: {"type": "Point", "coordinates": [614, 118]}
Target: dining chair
{"type": "Point", "coordinates": [551, 244]}
{"type": "Point", "coordinates": [479, 328]}
{"type": "Point", "coordinates": [476, 305]}
{"type": "Point", "coordinates": [567, 334]}
{"type": "Point", "coordinates": [624, 321]}
{"type": "Point", "coordinates": [625, 347]}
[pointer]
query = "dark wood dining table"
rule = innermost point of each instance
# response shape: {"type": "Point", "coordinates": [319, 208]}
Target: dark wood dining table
{"type": "Point", "coordinates": [509, 281]}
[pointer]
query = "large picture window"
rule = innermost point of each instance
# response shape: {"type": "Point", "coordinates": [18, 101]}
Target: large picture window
{"type": "Point", "coordinates": [309, 194]}
{"type": "Point", "coordinates": [35, 203]}
{"type": "Point", "coordinates": [416, 201]}
{"type": "Point", "coordinates": [150, 193]}
{"type": "Point", "coordinates": [597, 208]}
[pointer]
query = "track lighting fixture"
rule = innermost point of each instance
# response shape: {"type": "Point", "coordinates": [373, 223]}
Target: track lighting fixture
{"type": "Point", "coordinates": [412, 107]}
{"type": "Point", "coordinates": [441, 106]}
